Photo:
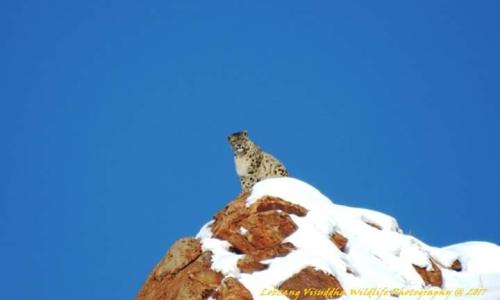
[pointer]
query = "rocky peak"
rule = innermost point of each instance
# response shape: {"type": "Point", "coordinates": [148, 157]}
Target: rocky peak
{"type": "Point", "coordinates": [286, 240]}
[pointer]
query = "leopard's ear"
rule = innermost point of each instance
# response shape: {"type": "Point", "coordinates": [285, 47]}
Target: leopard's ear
{"type": "Point", "coordinates": [245, 132]}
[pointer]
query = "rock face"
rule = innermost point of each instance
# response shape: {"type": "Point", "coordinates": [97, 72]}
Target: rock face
{"type": "Point", "coordinates": [456, 265]}
{"type": "Point", "coordinates": [232, 289]}
{"type": "Point", "coordinates": [256, 231]}
{"type": "Point", "coordinates": [182, 252]}
{"type": "Point", "coordinates": [311, 284]}
{"type": "Point", "coordinates": [184, 273]}
{"type": "Point", "coordinates": [339, 240]}
{"type": "Point", "coordinates": [251, 262]}
{"type": "Point", "coordinates": [431, 277]}
{"type": "Point", "coordinates": [253, 235]}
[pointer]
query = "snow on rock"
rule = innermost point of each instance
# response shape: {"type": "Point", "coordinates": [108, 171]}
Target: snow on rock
{"type": "Point", "coordinates": [285, 237]}
{"type": "Point", "coordinates": [377, 253]}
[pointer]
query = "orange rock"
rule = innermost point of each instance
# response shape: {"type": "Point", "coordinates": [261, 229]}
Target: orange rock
{"type": "Point", "coordinates": [249, 265]}
{"type": "Point", "coordinates": [226, 224]}
{"type": "Point", "coordinates": [267, 222]}
{"type": "Point", "coordinates": [276, 251]}
{"type": "Point", "coordinates": [339, 240]}
{"type": "Point", "coordinates": [238, 242]}
{"type": "Point", "coordinates": [182, 252]}
{"type": "Point", "coordinates": [431, 277]}
{"type": "Point", "coordinates": [456, 265]}
{"type": "Point", "coordinates": [275, 203]}
{"type": "Point", "coordinates": [269, 228]}
{"type": "Point", "coordinates": [313, 284]}
{"type": "Point", "coordinates": [230, 216]}
{"type": "Point", "coordinates": [232, 289]}
{"type": "Point", "coordinates": [196, 281]}
{"type": "Point", "coordinates": [185, 272]}
{"type": "Point", "coordinates": [251, 262]}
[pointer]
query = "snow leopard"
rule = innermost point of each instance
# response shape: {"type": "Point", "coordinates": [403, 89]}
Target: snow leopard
{"type": "Point", "coordinates": [253, 164]}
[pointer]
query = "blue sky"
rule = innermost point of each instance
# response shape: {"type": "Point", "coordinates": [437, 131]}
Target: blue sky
{"type": "Point", "coordinates": [114, 115]}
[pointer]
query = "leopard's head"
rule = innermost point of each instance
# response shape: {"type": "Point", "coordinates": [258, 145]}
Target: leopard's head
{"type": "Point", "coordinates": [240, 142]}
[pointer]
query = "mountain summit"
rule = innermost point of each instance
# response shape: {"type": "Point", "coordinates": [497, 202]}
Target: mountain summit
{"type": "Point", "coordinates": [286, 240]}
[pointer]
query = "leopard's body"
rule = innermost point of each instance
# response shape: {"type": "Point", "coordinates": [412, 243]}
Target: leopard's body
{"type": "Point", "coordinates": [253, 164]}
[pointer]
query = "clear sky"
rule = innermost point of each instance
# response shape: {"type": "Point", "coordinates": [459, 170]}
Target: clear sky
{"type": "Point", "coordinates": [114, 116]}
